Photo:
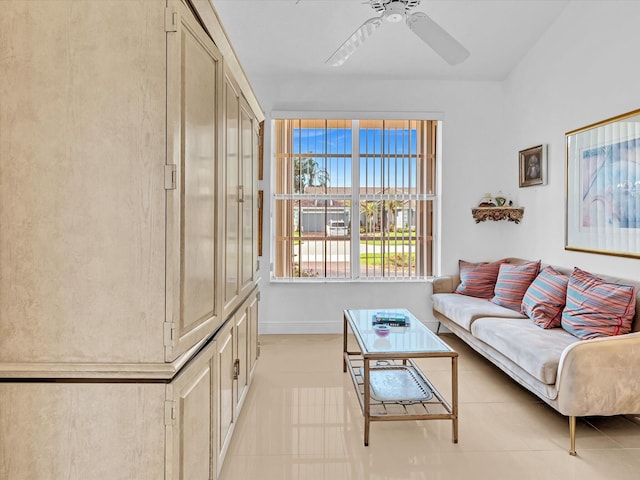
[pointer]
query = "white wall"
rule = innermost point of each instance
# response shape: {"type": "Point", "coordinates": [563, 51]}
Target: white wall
{"type": "Point", "coordinates": [583, 70]}
{"type": "Point", "coordinates": [472, 137]}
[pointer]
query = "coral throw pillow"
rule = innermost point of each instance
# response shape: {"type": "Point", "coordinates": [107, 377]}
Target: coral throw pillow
{"type": "Point", "coordinates": [597, 308]}
{"type": "Point", "coordinates": [545, 298]}
{"type": "Point", "coordinates": [478, 279]}
{"type": "Point", "coordinates": [513, 282]}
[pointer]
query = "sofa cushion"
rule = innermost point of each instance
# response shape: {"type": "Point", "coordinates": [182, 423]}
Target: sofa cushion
{"type": "Point", "coordinates": [533, 349]}
{"type": "Point", "coordinates": [545, 298]}
{"type": "Point", "coordinates": [478, 279]}
{"type": "Point", "coordinates": [512, 283]}
{"type": "Point", "coordinates": [597, 308]}
{"type": "Point", "coordinates": [463, 310]}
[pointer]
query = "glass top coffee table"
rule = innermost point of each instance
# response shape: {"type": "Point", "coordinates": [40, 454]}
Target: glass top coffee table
{"type": "Point", "coordinates": [389, 384]}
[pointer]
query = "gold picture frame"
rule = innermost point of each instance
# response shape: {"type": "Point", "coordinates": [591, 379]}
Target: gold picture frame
{"type": "Point", "coordinates": [603, 187]}
{"type": "Point", "coordinates": [261, 150]}
{"type": "Point", "coordinates": [533, 166]}
{"type": "Point", "coordinates": [260, 215]}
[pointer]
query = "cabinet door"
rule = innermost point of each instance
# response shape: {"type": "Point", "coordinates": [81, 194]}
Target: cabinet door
{"type": "Point", "coordinates": [254, 349]}
{"type": "Point", "coordinates": [241, 360]}
{"type": "Point", "coordinates": [248, 200]}
{"type": "Point", "coordinates": [191, 420]}
{"type": "Point", "coordinates": [232, 194]}
{"type": "Point", "coordinates": [193, 76]}
{"type": "Point", "coordinates": [225, 410]}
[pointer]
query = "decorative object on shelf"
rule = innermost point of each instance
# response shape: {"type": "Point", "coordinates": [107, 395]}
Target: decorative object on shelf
{"type": "Point", "coordinates": [500, 199]}
{"type": "Point", "coordinates": [511, 214]}
{"type": "Point", "coordinates": [603, 187]}
{"type": "Point", "coordinates": [487, 201]}
{"type": "Point", "coordinates": [533, 166]}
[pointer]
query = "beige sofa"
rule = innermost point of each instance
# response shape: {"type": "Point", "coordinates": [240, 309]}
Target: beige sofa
{"type": "Point", "coordinates": [576, 377]}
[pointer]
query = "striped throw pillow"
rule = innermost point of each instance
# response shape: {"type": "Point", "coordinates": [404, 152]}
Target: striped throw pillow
{"type": "Point", "coordinates": [478, 279]}
{"type": "Point", "coordinates": [545, 298]}
{"type": "Point", "coordinates": [597, 308]}
{"type": "Point", "coordinates": [512, 283]}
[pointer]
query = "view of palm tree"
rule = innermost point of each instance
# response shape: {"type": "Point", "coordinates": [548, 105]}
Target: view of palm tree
{"type": "Point", "coordinates": [307, 173]}
{"type": "Point", "coordinates": [392, 207]}
{"type": "Point", "coordinates": [369, 210]}
{"type": "Point", "coordinates": [380, 215]}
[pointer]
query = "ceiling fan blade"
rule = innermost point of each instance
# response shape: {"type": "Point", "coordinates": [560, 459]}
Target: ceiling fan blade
{"type": "Point", "coordinates": [354, 41]}
{"type": "Point", "coordinates": [437, 38]}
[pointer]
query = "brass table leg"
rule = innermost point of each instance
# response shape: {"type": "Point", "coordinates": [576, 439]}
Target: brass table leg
{"type": "Point", "coordinates": [454, 395]}
{"type": "Point", "coordinates": [367, 401]}
{"type": "Point", "coordinates": [344, 343]}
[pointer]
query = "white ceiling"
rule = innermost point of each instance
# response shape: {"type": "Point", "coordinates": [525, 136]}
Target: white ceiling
{"type": "Point", "coordinates": [295, 37]}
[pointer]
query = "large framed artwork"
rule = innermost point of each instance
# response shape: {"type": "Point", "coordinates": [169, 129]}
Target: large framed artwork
{"type": "Point", "coordinates": [603, 187]}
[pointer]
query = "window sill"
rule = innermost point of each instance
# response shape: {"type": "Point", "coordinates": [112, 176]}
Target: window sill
{"type": "Point", "coordinates": [316, 280]}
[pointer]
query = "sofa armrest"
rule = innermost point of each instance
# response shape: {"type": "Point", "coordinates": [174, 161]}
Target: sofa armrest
{"type": "Point", "coordinates": [443, 284]}
{"type": "Point", "coordinates": [600, 377]}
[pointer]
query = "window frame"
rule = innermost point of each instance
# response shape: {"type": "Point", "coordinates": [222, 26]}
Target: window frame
{"type": "Point", "coordinates": [433, 199]}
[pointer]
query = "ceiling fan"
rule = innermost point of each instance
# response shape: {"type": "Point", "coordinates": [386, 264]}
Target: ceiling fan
{"type": "Point", "coordinates": [420, 23]}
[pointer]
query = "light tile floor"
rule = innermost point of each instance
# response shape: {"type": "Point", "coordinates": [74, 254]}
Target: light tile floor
{"type": "Point", "coordinates": [301, 421]}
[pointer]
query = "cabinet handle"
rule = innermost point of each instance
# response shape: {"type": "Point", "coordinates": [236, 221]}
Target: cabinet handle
{"type": "Point", "coordinates": [236, 369]}
{"type": "Point", "coordinates": [241, 193]}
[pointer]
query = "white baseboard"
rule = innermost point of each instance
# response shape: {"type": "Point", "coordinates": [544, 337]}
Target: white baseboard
{"type": "Point", "coordinates": [284, 328]}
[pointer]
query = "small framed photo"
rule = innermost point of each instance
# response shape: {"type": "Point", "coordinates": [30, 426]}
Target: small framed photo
{"type": "Point", "coordinates": [533, 166]}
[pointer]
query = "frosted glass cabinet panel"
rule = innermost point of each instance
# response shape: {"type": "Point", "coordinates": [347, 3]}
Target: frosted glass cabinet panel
{"type": "Point", "coordinates": [232, 195]}
{"type": "Point", "coordinates": [248, 139]}
{"type": "Point", "coordinates": [240, 197]}
{"type": "Point", "coordinates": [195, 70]}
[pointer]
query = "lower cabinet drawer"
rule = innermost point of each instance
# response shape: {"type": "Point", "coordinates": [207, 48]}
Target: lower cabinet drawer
{"type": "Point", "coordinates": [82, 430]}
{"type": "Point", "coordinates": [111, 431]}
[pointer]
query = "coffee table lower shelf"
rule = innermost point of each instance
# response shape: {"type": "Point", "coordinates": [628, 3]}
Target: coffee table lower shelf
{"type": "Point", "coordinates": [398, 390]}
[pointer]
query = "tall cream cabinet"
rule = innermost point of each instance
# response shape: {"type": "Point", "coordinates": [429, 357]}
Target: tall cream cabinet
{"type": "Point", "coordinates": [127, 211]}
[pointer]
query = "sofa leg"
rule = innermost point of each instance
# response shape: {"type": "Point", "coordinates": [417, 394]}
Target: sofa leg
{"type": "Point", "coordinates": [572, 435]}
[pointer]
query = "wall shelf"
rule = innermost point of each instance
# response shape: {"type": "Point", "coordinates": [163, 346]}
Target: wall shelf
{"type": "Point", "coordinates": [511, 214]}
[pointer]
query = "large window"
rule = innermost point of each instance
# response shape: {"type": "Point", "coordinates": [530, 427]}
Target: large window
{"type": "Point", "coordinates": [353, 199]}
